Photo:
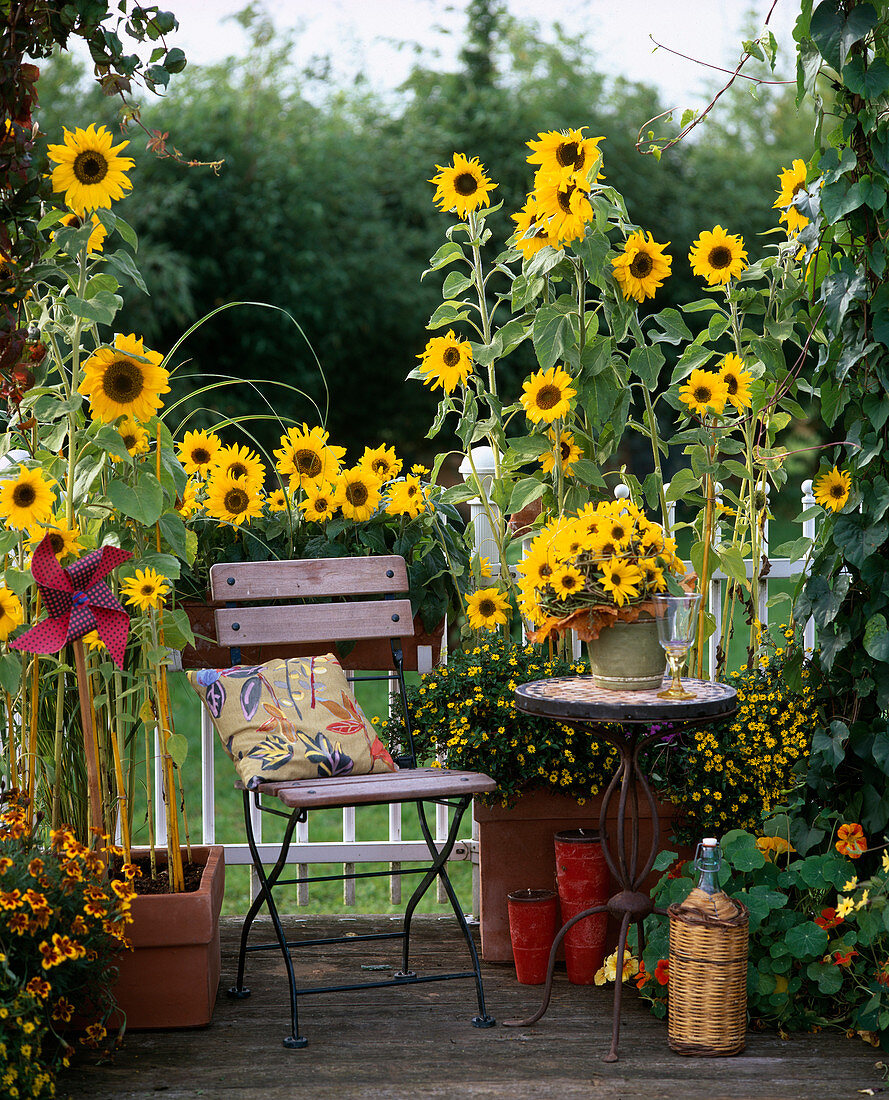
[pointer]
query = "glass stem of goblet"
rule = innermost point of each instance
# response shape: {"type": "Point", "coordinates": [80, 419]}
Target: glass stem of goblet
{"type": "Point", "coordinates": [675, 663]}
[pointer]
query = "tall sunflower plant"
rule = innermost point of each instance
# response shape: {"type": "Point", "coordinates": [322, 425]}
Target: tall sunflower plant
{"type": "Point", "coordinates": [87, 462]}
{"type": "Point", "coordinates": [570, 283]}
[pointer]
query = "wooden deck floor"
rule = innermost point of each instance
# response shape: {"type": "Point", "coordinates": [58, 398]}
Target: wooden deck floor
{"type": "Point", "coordinates": [418, 1042]}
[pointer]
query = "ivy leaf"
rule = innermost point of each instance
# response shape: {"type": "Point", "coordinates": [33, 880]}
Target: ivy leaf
{"type": "Point", "coordinates": [839, 199]}
{"type": "Point", "coordinates": [876, 638]}
{"type": "Point", "coordinates": [835, 35]}
{"type": "Point", "coordinates": [872, 82]}
{"type": "Point", "coordinates": [857, 540]}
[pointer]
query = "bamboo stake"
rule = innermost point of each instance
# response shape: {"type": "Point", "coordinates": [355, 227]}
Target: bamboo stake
{"type": "Point", "coordinates": [121, 799]}
{"type": "Point", "coordinates": [89, 739]}
{"type": "Point", "coordinates": [10, 740]}
{"type": "Point", "coordinates": [32, 736]}
{"type": "Point", "coordinates": [705, 583]}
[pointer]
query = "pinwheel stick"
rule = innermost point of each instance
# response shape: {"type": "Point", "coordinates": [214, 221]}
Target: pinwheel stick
{"type": "Point", "coordinates": [89, 738]}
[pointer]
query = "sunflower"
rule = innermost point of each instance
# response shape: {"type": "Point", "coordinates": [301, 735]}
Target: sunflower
{"type": "Point", "coordinates": [642, 266]}
{"type": "Point", "coordinates": [538, 565]}
{"type": "Point", "coordinates": [531, 232]}
{"type": "Point", "coordinates": [198, 450]}
{"type": "Point", "coordinates": [8, 272]}
{"type": "Point", "coordinates": [189, 503]}
{"type": "Point", "coordinates": [63, 538]}
{"type": "Point", "coordinates": [97, 236]}
{"type": "Point", "coordinates": [147, 588]}
{"type": "Point", "coordinates": [307, 458]}
{"type": "Point", "coordinates": [124, 380]}
{"type": "Point", "coordinates": [547, 395]}
{"type": "Point", "coordinates": [11, 612]}
{"type": "Point", "coordinates": [277, 501]}
{"type": "Point", "coordinates": [406, 498]}
{"type": "Point", "coordinates": [620, 529]}
{"type": "Point", "coordinates": [832, 489]}
{"type": "Point", "coordinates": [486, 609]}
{"type": "Point", "coordinates": [621, 579]}
{"type": "Point", "coordinates": [705, 391]}
{"type": "Point", "coordinates": [652, 575]}
{"type": "Point", "coordinates": [565, 153]}
{"type": "Point", "coordinates": [718, 256]}
{"type": "Point", "coordinates": [382, 462]}
{"type": "Point", "coordinates": [462, 187]}
{"type": "Point", "coordinates": [26, 500]}
{"type": "Point", "coordinates": [567, 581]}
{"type": "Point", "coordinates": [319, 503]}
{"type": "Point", "coordinates": [89, 170]}
{"type": "Point", "coordinates": [93, 641]}
{"type": "Point", "coordinates": [135, 437]}
{"type": "Point", "coordinates": [731, 371]}
{"type": "Point", "coordinates": [564, 207]}
{"type": "Point", "coordinates": [231, 499]}
{"type": "Point", "coordinates": [568, 450]}
{"type": "Point", "coordinates": [240, 463]}
{"type": "Point", "coordinates": [357, 493]}
{"type": "Point", "coordinates": [792, 180]}
{"type": "Point", "coordinates": [446, 362]}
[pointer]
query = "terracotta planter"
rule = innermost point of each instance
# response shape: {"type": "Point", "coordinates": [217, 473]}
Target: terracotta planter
{"type": "Point", "coordinates": [516, 852]}
{"type": "Point", "coordinates": [171, 976]}
{"type": "Point", "coordinates": [372, 653]}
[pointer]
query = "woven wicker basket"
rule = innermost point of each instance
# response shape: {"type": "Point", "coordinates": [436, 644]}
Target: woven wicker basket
{"type": "Point", "coordinates": [708, 975]}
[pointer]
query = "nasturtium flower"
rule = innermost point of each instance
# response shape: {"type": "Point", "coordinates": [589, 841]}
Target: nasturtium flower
{"type": "Point", "coordinates": [232, 499]}
{"type": "Point", "coordinates": [662, 972]}
{"type": "Point", "coordinates": [382, 462]}
{"type": "Point", "coordinates": [88, 169]}
{"type": "Point", "coordinates": [307, 457]}
{"type": "Point", "coordinates": [64, 539]}
{"type": "Point", "coordinates": [642, 266]}
{"type": "Point", "coordinates": [198, 450]}
{"type": "Point", "coordinates": [146, 589]}
{"type": "Point", "coordinates": [357, 493]}
{"type": "Point", "coordinates": [318, 503]}
{"type": "Point", "coordinates": [240, 463]}
{"type": "Point", "coordinates": [97, 236]}
{"type": "Point", "coordinates": [718, 256]}
{"type": "Point", "coordinates": [446, 361]}
{"type": "Point", "coordinates": [487, 609]}
{"type": "Point", "coordinates": [547, 395]}
{"type": "Point", "coordinates": [565, 153]}
{"type": "Point", "coordinates": [621, 579]}
{"type": "Point", "coordinates": [124, 380]}
{"type": "Point", "coordinates": [406, 497]}
{"type": "Point", "coordinates": [11, 612]}
{"type": "Point", "coordinates": [831, 490]}
{"type": "Point", "coordinates": [26, 499]}
{"type": "Point", "coordinates": [135, 437]}
{"type": "Point", "coordinates": [792, 180]}
{"type": "Point", "coordinates": [533, 232]}
{"type": "Point", "coordinates": [737, 379]}
{"type": "Point", "coordinates": [569, 452]}
{"type": "Point", "coordinates": [851, 840]}
{"type": "Point", "coordinates": [704, 391]}
{"type": "Point", "coordinates": [462, 186]}
{"type": "Point", "coordinates": [608, 971]}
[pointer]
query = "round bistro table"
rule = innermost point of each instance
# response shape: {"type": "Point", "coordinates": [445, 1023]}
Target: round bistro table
{"type": "Point", "coordinates": [576, 701]}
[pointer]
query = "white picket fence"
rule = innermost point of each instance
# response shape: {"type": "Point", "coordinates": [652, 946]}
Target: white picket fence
{"type": "Point", "coordinates": [399, 848]}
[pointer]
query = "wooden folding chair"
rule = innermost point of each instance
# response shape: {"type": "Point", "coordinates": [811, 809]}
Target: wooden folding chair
{"type": "Point", "coordinates": [328, 601]}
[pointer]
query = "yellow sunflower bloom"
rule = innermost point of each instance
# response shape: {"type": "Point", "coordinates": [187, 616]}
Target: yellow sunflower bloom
{"type": "Point", "coordinates": [11, 612]}
{"type": "Point", "coordinates": [307, 457]}
{"type": "Point", "coordinates": [231, 500]}
{"type": "Point", "coordinates": [566, 581]}
{"type": "Point", "coordinates": [704, 391]}
{"type": "Point", "coordinates": [832, 489]}
{"type": "Point", "coordinates": [652, 575]}
{"type": "Point", "coordinates": [8, 272]}
{"type": "Point", "coordinates": [357, 493]}
{"type": "Point", "coordinates": [792, 180]}
{"type": "Point", "coordinates": [547, 395]}
{"type": "Point", "coordinates": [566, 153]}
{"type": "Point", "coordinates": [146, 589]}
{"type": "Point", "coordinates": [189, 504]}
{"type": "Point", "coordinates": [26, 500]}
{"type": "Point", "coordinates": [718, 256]}
{"type": "Point", "coordinates": [319, 503]}
{"type": "Point", "coordinates": [487, 609]}
{"type": "Point", "coordinates": [277, 501]}
{"type": "Point", "coordinates": [461, 187]}
{"type": "Point", "coordinates": [731, 371]}
{"type": "Point", "coordinates": [406, 498]}
{"type": "Point", "coordinates": [532, 232]}
{"type": "Point", "coordinates": [564, 207]}
{"type": "Point", "coordinates": [88, 169]}
{"type": "Point", "coordinates": [124, 380]}
{"type": "Point", "coordinates": [240, 463]}
{"type": "Point", "coordinates": [382, 462]}
{"type": "Point", "coordinates": [568, 451]}
{"type": "Point", "coordinates": [198, 450]}
{"type": "Point", "coordinates": [622, 579]}
{"type": "Point", "coordinates": [135, 438]}
{"type": "Point", "coordinates": [446, 361]}
{"type": "Point", "coordinates": [97, 236]}
{"type": "Point", "coordinates": [642, 266]}
{"type": "Point", "coordinates": [63, 538]}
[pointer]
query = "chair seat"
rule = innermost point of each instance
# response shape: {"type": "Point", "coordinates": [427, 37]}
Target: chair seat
{"type": "Point", "coordinates": [407, 785]}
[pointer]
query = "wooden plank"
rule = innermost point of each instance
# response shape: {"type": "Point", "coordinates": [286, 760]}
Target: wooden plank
{"type": "Point", "coordinates": [308, 623]}
{"type": "Point", "coordinates": [407, 785]}
{"type": "Point", "coordinates": [308, 578]}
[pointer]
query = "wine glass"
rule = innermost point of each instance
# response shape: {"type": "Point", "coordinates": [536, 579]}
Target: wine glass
{"type": "Point", "coordinates": [677, 620]}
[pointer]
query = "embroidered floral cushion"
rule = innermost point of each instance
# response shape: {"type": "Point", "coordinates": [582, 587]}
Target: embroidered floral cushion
{"type": "Point", "coordinates": [290, 719]}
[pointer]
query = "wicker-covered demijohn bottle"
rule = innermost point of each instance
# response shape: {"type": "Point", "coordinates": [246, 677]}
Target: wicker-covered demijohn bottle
{"type": "Point", "coordinates": [708, 965]}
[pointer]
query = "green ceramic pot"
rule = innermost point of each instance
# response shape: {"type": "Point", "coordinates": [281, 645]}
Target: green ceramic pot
{"type": "Point", "coordinates": [628, 657]}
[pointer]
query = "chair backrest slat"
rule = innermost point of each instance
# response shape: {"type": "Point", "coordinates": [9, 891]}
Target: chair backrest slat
{"type": "Point", "coordinates": [310, 623]}
{"type": "Point", "coordinates": [311, 578]}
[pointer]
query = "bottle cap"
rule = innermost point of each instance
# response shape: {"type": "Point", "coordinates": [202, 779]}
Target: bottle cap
{"type": "Point", "coordinates": [709, 842]}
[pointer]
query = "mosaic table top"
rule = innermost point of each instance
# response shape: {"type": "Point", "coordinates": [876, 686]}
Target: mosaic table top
{"type": "Point", "coordinates": [578, 697]}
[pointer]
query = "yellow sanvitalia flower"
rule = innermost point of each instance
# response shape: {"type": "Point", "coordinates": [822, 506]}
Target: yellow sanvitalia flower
{"type": "Point", "coordinates": [197, 451]}
{"type": "Point", "coordinates": [147, 588]}
{"type": "Point", "coordinates": [792, 180]}
{"type": "Point", "coordinates": [124, 380]}
{"type": "Point", "coordinates": [11, 612]}
{"type": "Point", "coordinates": [564, 207]}
{"type": "Point", "coordinates": [26, 500]}
{"type": "Point", "coordinates": [89, 170]}
{"type": "Point", "coordinates": [569, 452]}
{"type": "Point", "coordinates": [704, 391]}
{"type": "Point", "coordinates": [532, 232]}
{"type": "Point", "coordinates": [832, 489]}
{"type": "Point", "coordinates": [240, 463]}
{"type": "Point", "coordinates": [565, 153]}
{"type": "Point", "coordinates": [642, 266]}
{"type": "Point", "coordinates": [357, 493]}
{"type": "Point", "coordinates": [307, 457]}
{"type": "Point", "coordinates": [319, 503]}
{"type": "Point", "coordinates": [487, 609]}
{"type": "Point", "coordinates": [97, 236]}
{"type": "Point", "coordinates": [547, 395]}
{"type": "Point", "coordinates": [231, 500]}
{"type": "Point", "coordinates": [731, 371]}
{"type": "Point", "coordinates": [63, 537]}
{"type": "Point", "coordinates": [718, 256]}
{"type": "Point", "coordinates": [406, 498]}
{"type": "Point", "coordinates": [446, 361]}
{"type": "Point", "coordinates": [135, 437]}
{"type": "Point", "coordinates": [382, 462]}
{"type": "Point", "coordinates": [621, 579]}
{"type": "Point", "coordinates": [461, 187]}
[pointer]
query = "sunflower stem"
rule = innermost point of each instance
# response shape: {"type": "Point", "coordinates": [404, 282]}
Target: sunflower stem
{"type": "Point", "coordinates": [654, 436]}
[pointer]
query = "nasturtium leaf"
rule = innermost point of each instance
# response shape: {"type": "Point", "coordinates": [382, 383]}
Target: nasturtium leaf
{"type": "Point", "coordinates": [806, 939]}
{"type": "Point", "coordinates": [740, 851]}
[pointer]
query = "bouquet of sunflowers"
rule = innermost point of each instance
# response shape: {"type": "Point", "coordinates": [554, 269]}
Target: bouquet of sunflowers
{"type": "Point", "coordinates": [601, 566]}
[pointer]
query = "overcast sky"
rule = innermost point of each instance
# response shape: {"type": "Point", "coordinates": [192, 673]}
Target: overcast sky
{"type": "Point", "coordinates": [360, 34]}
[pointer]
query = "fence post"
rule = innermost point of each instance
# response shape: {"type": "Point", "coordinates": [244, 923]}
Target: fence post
{"type": "Point", "coordinates": [484, 541]}
{"type": "Point", "coordinates": [808, 499]}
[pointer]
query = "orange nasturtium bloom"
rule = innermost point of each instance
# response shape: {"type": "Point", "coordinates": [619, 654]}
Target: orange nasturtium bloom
{"type": "Point", "coordinates": [851, 841]}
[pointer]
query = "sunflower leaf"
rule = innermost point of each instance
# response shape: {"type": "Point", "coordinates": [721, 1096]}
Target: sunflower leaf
{"type": "Point", "coordinates": [527, 490]}
{"type": "Point", "coordinates": [145, 506]}
{"type": "Point", "coordinates": [555, 332]}
{"type": "Point", "coordinates": [102, 308]}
